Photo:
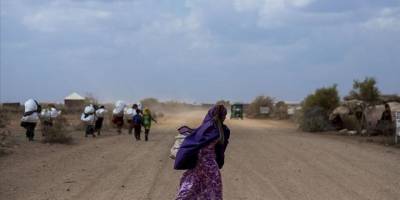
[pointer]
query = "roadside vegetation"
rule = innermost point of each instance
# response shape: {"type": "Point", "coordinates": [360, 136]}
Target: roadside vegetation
{"type": "Point", "coordinates": [316, 109]}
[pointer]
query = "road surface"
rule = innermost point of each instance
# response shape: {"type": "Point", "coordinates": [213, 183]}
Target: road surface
{"type": "Point", "coordinates": [264, 160]}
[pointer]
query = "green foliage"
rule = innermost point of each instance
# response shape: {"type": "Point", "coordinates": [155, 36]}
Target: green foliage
{"type": "Point", "coordinates": [326, 98]}
{"type": "Point", "coordinates": [365, 90]}
{"type": "Point", "coordinates": [316, 109]}
{"type": "Point", "coordinates": [260, 101]}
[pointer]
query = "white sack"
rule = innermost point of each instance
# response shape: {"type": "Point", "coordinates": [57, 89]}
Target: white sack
{"type": "Point", "coordinates": [178, 142]}
{"type": "Point", "coordinates": [89, 109]}
{"type": "Point", "coordinates": [129, 113]}
{"type": "Point", "coordinates": [32, 118]}
{"type": "Point", "coordinates": [119, 108]}
{"type": "Point", "coordinates": [101, 112]}
{"type": "Point", "coordinates": [89, 119]}
{"type": "Point", "coordinates": [30, 105]}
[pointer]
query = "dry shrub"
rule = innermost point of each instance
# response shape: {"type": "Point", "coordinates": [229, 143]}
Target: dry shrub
{"type": "Point", "coordinates": [260, 101]}
{"type": "Point", "coordinates": [4, 141]}
{"type": "Point", "coordinates": [4, 133]}
{"type": "Point", "coordinates": [315, 120]}
{"type": "Point", "coordinates": [4, 118]}
{"type": "Point", "coordinates": [281, 110]}
{"type": "Point", "coordinates": [58, 132]}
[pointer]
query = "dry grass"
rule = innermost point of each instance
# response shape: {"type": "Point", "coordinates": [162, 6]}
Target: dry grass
{"type": "Point", "coordinates": [58, 133]}
{"type": "Point", "coordinates": [4, 133]}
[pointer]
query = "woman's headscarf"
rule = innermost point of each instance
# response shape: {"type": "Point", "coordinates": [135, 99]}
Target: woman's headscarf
{"type": "Point", "coordinates": [210, 130]}
{"type": "Point", "coordinates": [146, 111]}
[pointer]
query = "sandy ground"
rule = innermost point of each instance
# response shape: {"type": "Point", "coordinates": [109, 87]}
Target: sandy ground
{"type": "Point", "coordinates": [265, 160]}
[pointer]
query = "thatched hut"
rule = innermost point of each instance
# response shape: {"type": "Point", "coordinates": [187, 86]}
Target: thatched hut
{"type": "Point", "coordinates": [74, 102]}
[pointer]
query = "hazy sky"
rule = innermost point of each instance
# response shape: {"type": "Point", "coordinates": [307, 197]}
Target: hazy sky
{"type": "Point", "coordinates": [195, 50]}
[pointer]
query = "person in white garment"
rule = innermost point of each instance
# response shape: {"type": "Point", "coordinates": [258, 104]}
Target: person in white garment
{"type": "Point", "coordinates": [47, 117]}
{"type": "Point", "coordinates": [30, 117]}
{"type": "Point", "coordinates": [118, 115]}
{"type": "Point", "coordinates": [89, 118]}
{"type": "Point", "coordinates": [100, 113]}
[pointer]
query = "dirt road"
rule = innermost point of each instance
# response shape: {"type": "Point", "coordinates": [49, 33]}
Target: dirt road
{"type": "Point", "coordinates": [265, 160]}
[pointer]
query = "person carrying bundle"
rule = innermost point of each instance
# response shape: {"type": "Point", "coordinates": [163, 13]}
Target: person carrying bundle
{"type": "Point", "coordinates": [47, 117]}
{"type": "Point", "coordinates": [147, 118]}
{"type": "Point", "coordinates": [99, 119]}
{"type": "Point", "coordinates": [130, 112]}
{"type": "Point", "coordinates": [137, 121]}
{"type": "Point", "coordinates": [89, 118]}
{"type": "Point", "coordinates": [118, 115]}
{"type": "Point", "coordinates": [30, 117]}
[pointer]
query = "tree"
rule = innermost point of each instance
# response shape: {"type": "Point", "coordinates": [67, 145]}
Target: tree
{"type": "Point", "coordinates": [365, 90]}
{"type": "Point", "coordinates": [260, 101]}
{"type": "Point", "coordinates": [326, 98]}
{"type": "Point", "coordinates": [317, 107]}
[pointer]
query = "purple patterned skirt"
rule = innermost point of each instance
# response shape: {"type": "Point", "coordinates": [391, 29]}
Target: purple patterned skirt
{"type": "Point", "coordinates": [204, 181]}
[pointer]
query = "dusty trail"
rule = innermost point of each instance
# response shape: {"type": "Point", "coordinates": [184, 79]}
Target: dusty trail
{"type": "Point", "coordinates": [265, 160]}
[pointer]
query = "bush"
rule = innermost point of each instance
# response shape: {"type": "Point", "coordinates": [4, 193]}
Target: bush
{"type": "Point", "coordinates": [315, 120]}
{"type": "Point", "coordinates": [281, 110]}
{"type": "Point", "coordinates": [4, 118]}
{"type": "Point", "coordinates": [260, 101]}
{"type": "Point", "coordinates": [326, 98]}
{"type": "Point", "coordinates": [58, 133]}
{"type": "Point", "coordinates": [365, 91]}
{"type": "Point", "coordinates": [317, 107]}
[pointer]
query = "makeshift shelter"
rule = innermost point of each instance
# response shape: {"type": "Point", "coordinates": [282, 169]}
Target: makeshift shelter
{"type": "Point", "coordinates": [348, 115]}
{"type": "Point", "coordinates": [371, 115]}
{"type": "Point", "coordinates": [74, 101]}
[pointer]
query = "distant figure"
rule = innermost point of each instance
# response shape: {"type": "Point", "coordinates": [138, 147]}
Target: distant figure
{"type": "Point", "coordinates": [47, 117]}
{"type": "Point", "coordinates": [130, 112]}
{"type": "Point", "coordinates": [30, 117]}
{"type": "Point", "coordinates": [387, 114]}
{"type": "Point", "coordinates": [89, 118]}
{"type": "Point", "coordinates": [202, 154]}
{"type": "Point", "coordinates": [118, 115]}
{"type": "Point", "coordinates": [137, 121]}
{"type": "Point", "coordinates": [147, 118]}
{"type": "Point", "coordinates": [100, 118]}
{"type": "Point", "coordinates": [386, 122]}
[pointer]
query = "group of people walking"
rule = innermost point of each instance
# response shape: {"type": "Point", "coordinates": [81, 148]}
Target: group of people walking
{"type": "Point", "coordinates": [34, 113]}
{"type": "Point", "coordinates": [201, 153]}
{"type": "Point", "coordinates": [134, 116]}
{"type": "Point", "coordinates": [93, 117]}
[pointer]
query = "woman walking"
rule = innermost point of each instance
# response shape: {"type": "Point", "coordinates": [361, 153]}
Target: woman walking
{"type": "Point", "coordinates": [31, 117]}
{"type": "Point", "coordinates": [202, 154]}
{"type": "Point", "coordinates": [100, 118]}
{"type": "Point", "coordinates": [147, 118]}
{"type": "Point", "coordinates": [118, 115]}
{"type": "Point", "coordinates": [89, 118]}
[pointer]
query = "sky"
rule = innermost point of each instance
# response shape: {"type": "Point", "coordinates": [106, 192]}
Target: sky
{"type": "Point", "coordinates": [195, 50]}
